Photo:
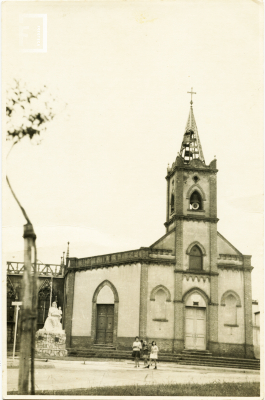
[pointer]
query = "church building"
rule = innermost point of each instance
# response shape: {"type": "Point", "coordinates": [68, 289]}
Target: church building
{"type": "Point", "coordinates": [190, 290]}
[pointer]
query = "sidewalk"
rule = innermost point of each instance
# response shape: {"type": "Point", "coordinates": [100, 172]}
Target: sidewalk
{"type": "Point", "coordinates": [62, 374]}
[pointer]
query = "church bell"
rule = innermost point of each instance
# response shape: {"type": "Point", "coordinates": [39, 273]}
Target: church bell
{"type": "Point", "coordinates": [195, 201]}
{"type": "Point", "coordinates": [195, 198]}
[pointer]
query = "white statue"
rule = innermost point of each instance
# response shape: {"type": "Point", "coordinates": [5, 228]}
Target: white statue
{"type": "Point", "coordinates": [52, 323]}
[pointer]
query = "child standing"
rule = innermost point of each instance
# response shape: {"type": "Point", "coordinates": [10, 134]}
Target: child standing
{"type": "Point", "coordinates": [154, 353]}
{"type": "Point", "coordinates": [136, 351]}
{"type": "Point", "coordinates": [145, 353]}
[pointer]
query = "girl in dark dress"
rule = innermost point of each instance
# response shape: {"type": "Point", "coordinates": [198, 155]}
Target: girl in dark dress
{"type": "Point", "coordinates": [145, 352]}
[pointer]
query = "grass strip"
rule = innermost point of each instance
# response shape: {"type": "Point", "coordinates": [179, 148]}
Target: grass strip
{"type": "Point", "coordinates": [224, 389]}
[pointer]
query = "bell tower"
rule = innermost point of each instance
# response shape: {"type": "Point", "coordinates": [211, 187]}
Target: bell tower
{"type": "Point", "coordinates": [192, 213]}
{"type": "Point", "coordinates": [191, 184]}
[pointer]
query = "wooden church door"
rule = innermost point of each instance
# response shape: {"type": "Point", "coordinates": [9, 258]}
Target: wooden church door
{"type": "Point", "coordinates": [105, 323]}
{"type": "Point", "coordinates": [195, 328]}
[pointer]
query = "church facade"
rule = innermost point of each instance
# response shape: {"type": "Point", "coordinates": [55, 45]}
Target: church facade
{"type": "Point", "coordinates": [191, 289]}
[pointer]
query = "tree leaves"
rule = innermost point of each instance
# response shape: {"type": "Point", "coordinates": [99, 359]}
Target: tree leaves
{"type": "Point", "coordinates": [27, 111]}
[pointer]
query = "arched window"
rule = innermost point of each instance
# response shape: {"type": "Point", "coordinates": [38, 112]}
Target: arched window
{"type": "Point", "coordinates": [230, 310]}
{"type": "Point", "coordinates": [195, 201]}
{"type": "Point", "coordinates": [160, 304]}
{"type": "Point", "coordinates": [172, 203]}
{"type": "Point", "coordinates": [195, 258]}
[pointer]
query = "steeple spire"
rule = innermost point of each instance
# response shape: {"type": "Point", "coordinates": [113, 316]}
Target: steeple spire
{"type": "Point", "coordinates": [191, 146]}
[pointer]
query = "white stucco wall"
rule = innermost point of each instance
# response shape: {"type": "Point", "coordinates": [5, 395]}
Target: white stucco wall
{"type": "Point", "coordinates": [126, 280]}
{"type": "Point", "coordinates": [160, 275]}
{"type": "Point", "coordinates": [231, 280]}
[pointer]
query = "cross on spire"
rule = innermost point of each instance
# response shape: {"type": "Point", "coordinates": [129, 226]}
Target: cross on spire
{"type": "Point", "coordinates": [191, 93]}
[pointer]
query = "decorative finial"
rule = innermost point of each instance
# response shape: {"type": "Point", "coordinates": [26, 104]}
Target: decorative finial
{"type": "Point", "coordinates": [67, 254]}
{"type": "Point", "coordinates": [191, 93]}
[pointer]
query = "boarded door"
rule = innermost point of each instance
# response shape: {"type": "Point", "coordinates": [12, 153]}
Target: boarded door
{"type": "Point", "coordinates": [105, 322]}
{"type": "Point", "coordinates": [195, 328]}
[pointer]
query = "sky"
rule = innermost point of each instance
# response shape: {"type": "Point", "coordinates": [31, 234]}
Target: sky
{"type": "Point", "coordinates": [120, 72]}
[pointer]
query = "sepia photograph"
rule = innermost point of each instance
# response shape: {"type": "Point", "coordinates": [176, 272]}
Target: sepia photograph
{"type": "Point", "coordinates": [132, 201]}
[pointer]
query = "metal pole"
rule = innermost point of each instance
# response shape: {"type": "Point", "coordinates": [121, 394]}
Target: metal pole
{"type": "Point", "coordinates": [16, 304]}
{"type": "Point", "coordinates": [34, 320]}
{"type": "Point", "coordinates": [51, 293]}
{"type": "Point", "coordinates": [15, 336]}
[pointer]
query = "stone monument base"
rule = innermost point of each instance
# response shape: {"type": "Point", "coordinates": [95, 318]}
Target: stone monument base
{"type": "Point", "coordinates": [50, 344]}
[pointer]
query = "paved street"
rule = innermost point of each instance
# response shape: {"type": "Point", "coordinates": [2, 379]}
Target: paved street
{"type": "Point", "coordinates": [57, 374]}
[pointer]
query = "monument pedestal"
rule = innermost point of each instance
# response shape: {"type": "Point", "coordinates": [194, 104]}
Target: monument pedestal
{"type": "Point", "coordinates": [50, 344]}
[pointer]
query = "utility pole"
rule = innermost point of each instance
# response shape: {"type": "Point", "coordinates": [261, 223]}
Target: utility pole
{"type": "Point", "coordinates": [28, 314]}
{"type": "Point", "coordinates": [34, 315]}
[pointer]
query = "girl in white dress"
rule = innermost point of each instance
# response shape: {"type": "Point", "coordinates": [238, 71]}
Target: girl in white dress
{"type": "Point", "coordinates": [154, 353]}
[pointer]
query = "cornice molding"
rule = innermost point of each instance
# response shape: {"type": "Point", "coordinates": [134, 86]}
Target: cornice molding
{"type": "Point", "coordinates": [160, 261]}
{"type": "Point", "coordinates": [235, 257]}
{"type": "Point", "coordinates": [191, 218]}
{"type": "Point", "coordinates": [191, 272]}
{"type": "Point", "coordinates": [204, 278]}
{"type": "Point", "coordinates": [191, 169]}
{"type": "Point", "coordinates": [234, 267]}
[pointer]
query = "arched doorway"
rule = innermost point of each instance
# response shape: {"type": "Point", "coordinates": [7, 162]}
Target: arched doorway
{"type": "Point", "coordinates": [195, 321]}
{"type": "Point", "coordinates": [105, 314]}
